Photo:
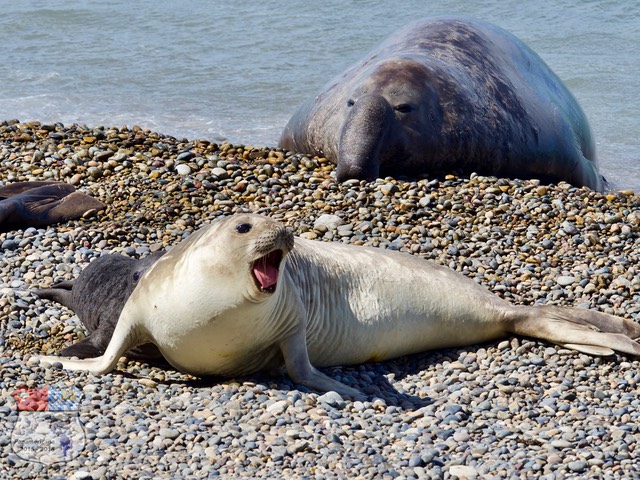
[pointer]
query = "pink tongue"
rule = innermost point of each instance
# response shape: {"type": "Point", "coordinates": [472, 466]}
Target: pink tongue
{"type": "Point", "coordinates": [267, 275]}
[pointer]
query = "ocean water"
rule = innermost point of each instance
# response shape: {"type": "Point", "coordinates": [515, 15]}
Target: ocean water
{"type": "Point", "coordinates": [238, 70]}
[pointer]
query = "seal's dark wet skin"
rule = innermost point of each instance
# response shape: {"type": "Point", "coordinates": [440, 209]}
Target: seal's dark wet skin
{"type": "Point", "coordinates": [448, 94]}
{"type": "Point", "coordinates": [40, 204]}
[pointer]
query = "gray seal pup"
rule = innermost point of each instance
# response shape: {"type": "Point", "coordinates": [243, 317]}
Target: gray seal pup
{"type": "Point", "coordinates": [97, 297]}
{"type": "Point", "coordinates": [39, 204]}
{"type": "Point", "coordinates": [236, 297]}
{"type": "Point", "coordinates": [448, 94]}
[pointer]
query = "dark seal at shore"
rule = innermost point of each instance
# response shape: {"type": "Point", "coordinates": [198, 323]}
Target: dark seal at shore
{"type": "Point", "coordinates": [448, 94]}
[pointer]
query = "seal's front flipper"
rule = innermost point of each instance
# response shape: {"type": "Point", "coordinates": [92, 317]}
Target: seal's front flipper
{"type": "Point", "coordinates": [124, 337]}
{"type": "Point", "coordinates": [146, 351]}
{"type": "Point", "coordinates": [85, 348]}
{"type": "Point", "coordinates": [296, 357]}
{"type": "Point", "coordinates": [90, 348]}
{"type": "Point", "coordinates": [96, 365]}
{"type": "Point", "coordinates": [587, 331]}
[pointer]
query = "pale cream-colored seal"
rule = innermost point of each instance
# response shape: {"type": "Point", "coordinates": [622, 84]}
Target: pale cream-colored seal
{"type": "Point", "coordinates": [237, 297]}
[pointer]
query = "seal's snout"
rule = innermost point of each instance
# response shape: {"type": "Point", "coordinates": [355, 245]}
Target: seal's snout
{"type": "Point", "coordinates": [367, 129]}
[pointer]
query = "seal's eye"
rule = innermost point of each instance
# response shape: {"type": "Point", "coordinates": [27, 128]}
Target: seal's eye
{"type": "Point", "coordinates": [136, 276]}
{"type": "Point", "coordinates": [350, 103]}
{"type": "Point", "coordinates": [243, 227]}
{"type": "Point", "coordinates": [403, 108]}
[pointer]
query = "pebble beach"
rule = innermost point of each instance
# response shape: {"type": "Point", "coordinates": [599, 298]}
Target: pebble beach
{"type": "Point", "coordinates": [515, 408]}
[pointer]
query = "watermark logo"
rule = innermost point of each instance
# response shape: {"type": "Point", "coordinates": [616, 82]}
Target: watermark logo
{"type": "Point", "coordinates": [48, 429]}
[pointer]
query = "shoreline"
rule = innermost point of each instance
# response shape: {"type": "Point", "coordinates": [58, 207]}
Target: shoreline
{"type": "Point", "coordinates": [501, 409]}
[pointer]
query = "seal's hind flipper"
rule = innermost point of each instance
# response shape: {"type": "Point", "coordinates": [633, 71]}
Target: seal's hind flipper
{"type": "Point", "coordinates": [96, 344]}
{"type": "Point", "coordinates": [57, 203]}
{"type": "Point", "coordinates": [588, 331]}
{"type": "Point", "coordinates": [75, 205]}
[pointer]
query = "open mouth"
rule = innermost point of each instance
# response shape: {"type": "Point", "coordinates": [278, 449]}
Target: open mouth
{"type": "Point", "coordinates": [266, 270]}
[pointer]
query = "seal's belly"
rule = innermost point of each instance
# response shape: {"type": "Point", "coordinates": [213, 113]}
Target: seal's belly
{"type": "Point", "coordinates": [395, 336]}
{"type": "Point", "coordinates": [216, 348]}
{"type": "Point", "coordinates": [223, 363]}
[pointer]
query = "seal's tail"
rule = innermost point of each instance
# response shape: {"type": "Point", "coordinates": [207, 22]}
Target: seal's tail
{"type": "Point", "coordinates": [587, 331]}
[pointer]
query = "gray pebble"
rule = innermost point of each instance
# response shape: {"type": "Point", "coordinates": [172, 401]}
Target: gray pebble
{"type": "Point", "coordinates": [185, 156]}
{"type": "Point", "coordinates": [171, 433]}
{"type": "Point", "coordinates": [327, 222]}
{"type": "Point", "coordinates": [332, 399]}
{"type": "Point", "coordinates": [183, 169]}
{"type": "Point", "coordinates": [577, 466]}
{"type": "Point", "coordinates": [566, 280]}
{"type": "Point", "coordinates": [9, 245]}
{"type": "Point", "coordinates": [220, 173]}
{"type": "Point", "coordinates": [569, 228]}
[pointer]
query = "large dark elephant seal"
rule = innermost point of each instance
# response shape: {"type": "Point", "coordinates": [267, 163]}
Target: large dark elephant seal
{"type": "Point", "coordinates": [236, 297]}
{"type": "Point", "coordinates": [39, 204]}
{"type": "Point", "coordinates": [448, 94]}
{"type": "Point", "coordinates": [97, 297]}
